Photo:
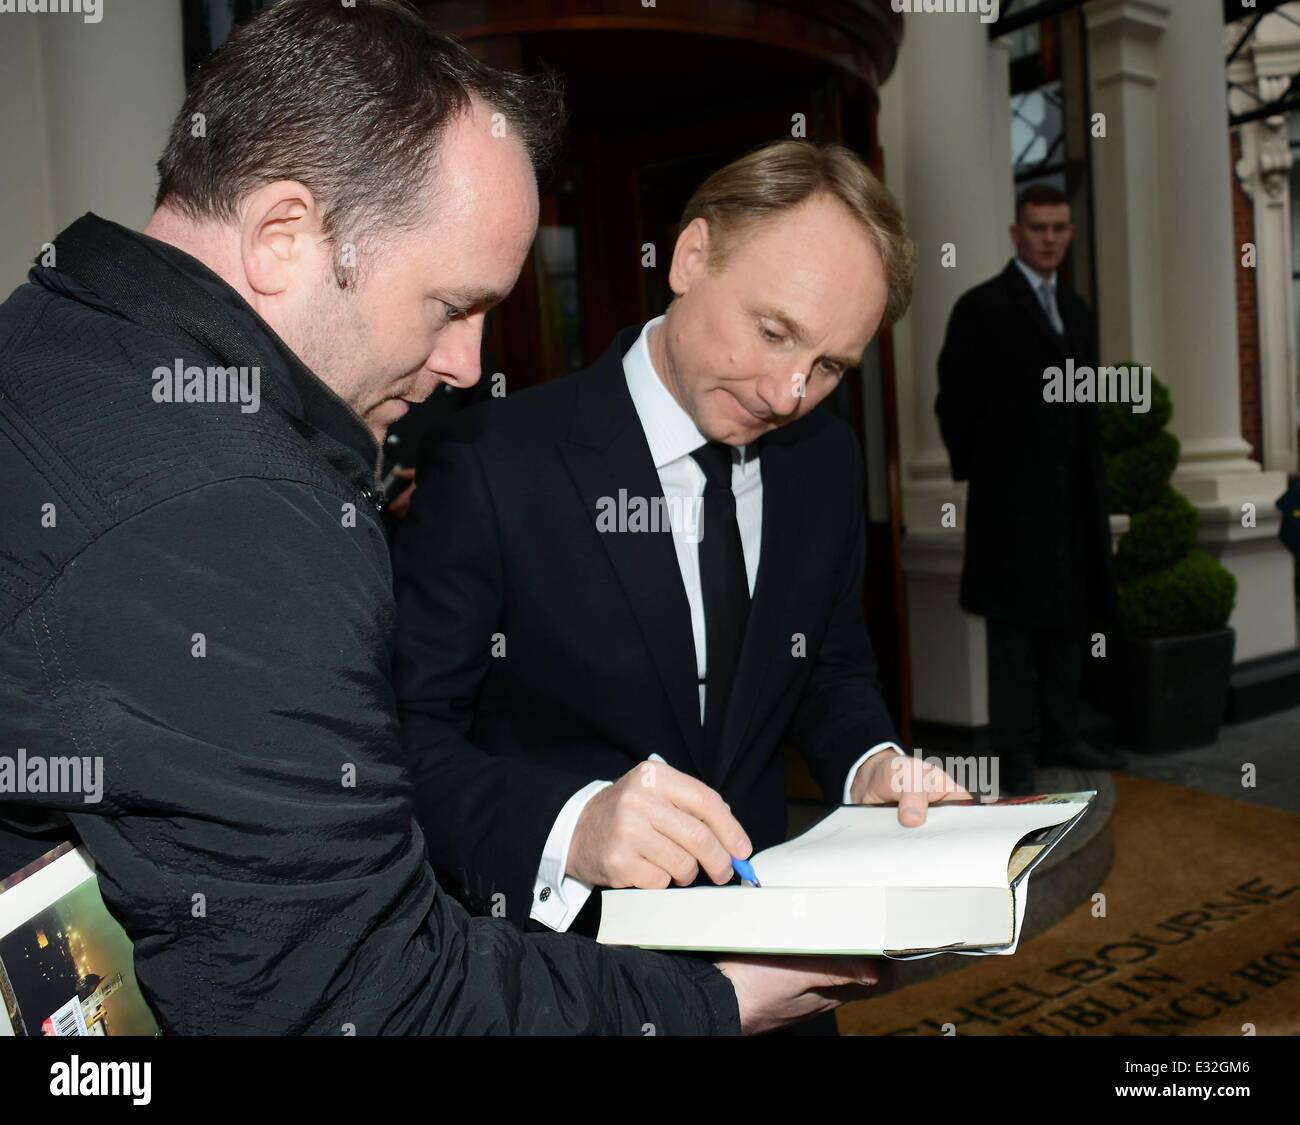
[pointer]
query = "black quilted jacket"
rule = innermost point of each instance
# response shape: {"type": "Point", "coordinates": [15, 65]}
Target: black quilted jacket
{"type": "Point", "coordinates": [198, 599]}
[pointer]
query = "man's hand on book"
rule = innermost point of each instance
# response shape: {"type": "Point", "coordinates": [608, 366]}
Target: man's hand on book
{"type": "Point", "coordinates": [887, 778]}
{"type": "Point", "coordinates": [774, 991]}
{"type": "Point", "coordinates": [653, 827]}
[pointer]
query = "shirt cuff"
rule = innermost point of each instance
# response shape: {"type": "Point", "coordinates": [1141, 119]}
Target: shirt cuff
{"type": "Point", "coordinates": [853, 769]}
{"type": "Point", "coordinates": [558, 897]}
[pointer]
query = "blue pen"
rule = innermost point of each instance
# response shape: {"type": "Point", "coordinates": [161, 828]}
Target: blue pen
{"type": "Point", "coordinates": [741, 867]}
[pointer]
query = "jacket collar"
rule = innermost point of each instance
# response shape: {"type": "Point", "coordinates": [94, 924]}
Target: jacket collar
{"type": "Point", "coordinates": [158, 286]}
{"type": "Point", "coordinates": [604, 407]}
{"type": "Point", "coordinates": [1035, 278]}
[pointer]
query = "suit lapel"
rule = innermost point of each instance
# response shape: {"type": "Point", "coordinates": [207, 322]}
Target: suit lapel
{"type": "Point", "coordinates": [767, 630]}
{"type": "Point", "coordinates": [606, 451]}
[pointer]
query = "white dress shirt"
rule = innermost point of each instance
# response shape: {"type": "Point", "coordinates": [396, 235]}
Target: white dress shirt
{"type": "Point", "coordinates": [671, 435]}
{"type": "Point", "coordinates": [1036, 282]}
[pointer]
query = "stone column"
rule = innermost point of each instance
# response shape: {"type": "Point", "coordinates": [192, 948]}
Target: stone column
{"type": "Point", "coordinates": [1122, 45]}
{"type": "Point", "coordinates": [1166, 267]}
{"type": "Point", "coordinates": [97, 101]}
{"type": "Point", "coordinates": [946, 130]}
{"type": "Point", "coordinates": [25, 215]}
{"type": "Point", "coordinates": [1199, 361]}
{"type": "Point", "coordinates": [111, 90]}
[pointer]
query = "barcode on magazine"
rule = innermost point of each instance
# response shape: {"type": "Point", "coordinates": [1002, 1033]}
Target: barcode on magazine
{"type": "Point", "coordinates": [67, 1020]}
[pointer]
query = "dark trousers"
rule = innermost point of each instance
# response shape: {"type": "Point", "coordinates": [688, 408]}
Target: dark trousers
{"type": "Point", "coordinates": [1034, 678]}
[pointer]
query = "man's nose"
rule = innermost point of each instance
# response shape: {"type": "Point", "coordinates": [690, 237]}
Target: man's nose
{"type": "Point", "coordinates": [456, 359]}
{"type": "Point", "coordinates": [781, 391]}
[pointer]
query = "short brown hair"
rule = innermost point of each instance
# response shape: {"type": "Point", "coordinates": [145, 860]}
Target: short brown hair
{"type": "Point", "coordinates": [1039, 195]}
{"type": "Point", "coordinates": [782, 174]}
{"type": "Point", "coordinates": [351, 102]}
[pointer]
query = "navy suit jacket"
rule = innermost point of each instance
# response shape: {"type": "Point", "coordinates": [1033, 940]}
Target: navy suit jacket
{"type": "Point", "coordinates": [595, 663]}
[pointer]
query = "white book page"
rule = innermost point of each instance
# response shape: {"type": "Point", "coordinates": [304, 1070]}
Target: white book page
{"type": "Point", "coordinates": [866, 846]}
{"type": "Point", "coordinates": [43, 888]}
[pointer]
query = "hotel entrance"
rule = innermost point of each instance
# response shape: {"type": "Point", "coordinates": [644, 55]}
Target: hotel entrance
{"type": "Point", "coordinates": [658, 100]}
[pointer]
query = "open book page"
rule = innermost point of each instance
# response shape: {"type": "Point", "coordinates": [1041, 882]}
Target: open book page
{"type": "Point", "coordinates": [1028, 854]}
{"type": "Point", "coordinates": [961, 844]}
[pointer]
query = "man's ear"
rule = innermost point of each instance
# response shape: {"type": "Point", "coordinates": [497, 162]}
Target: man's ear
{"type": "Point", "coordinates": [281, 236]}
{"type": "Point", "coordinates": [690, 256]}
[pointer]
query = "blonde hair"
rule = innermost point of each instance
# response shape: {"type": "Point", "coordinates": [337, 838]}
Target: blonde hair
{"type": "Point", "coordinates": [781, 175]}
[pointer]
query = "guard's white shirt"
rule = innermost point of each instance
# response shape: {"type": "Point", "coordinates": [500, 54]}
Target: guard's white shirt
{"type": "Point", "coordinates": [671, 435]}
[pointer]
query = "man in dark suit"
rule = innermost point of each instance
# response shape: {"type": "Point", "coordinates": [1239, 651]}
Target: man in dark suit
{"type": "Point", "coordinates": [1038, 556]}
{"type": "Point", "coordinates": [661, 556]}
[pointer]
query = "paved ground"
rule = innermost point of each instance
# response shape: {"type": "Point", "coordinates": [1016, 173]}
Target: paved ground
{"type": "Point", "coordinates": [1271, 744]}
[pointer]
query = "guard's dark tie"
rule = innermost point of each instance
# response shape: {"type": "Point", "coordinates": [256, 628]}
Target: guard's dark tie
{"type": "Point", "coordinates": [725, 585]}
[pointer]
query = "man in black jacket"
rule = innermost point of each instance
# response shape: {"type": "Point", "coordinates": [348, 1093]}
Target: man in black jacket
{"type": "Point", "coordinates": [661, 555]}
{"type": "Point", "coordinates": [195, 598]}
{"type": "Point", "coordinates": [1037, 564]}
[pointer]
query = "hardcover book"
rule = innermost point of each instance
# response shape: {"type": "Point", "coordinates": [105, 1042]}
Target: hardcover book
{"type": "Point", "coordinates": [859, 882]}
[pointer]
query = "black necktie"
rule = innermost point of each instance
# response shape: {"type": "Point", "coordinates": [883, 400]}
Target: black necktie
{"type": "Point", "coordinates": [725, 585]}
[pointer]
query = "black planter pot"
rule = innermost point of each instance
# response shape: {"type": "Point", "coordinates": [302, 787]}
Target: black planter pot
{"type": "Point", "coordinates": [1169, 693]}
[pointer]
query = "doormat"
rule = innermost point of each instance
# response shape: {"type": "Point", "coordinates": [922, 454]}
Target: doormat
{"type": "Point", "coordinates": [1197, 933]}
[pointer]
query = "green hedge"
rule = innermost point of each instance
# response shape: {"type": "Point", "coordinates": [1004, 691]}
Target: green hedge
{"type": "Point", "coordinates": [1121, 428]}
{"type": "Point", "coordinates": [1137, 477]}
{"type": "Point", "coordinates": [1158, 537]}
{"type": "Point", "coordinates": [1195, 595]}
{"type": "Point", "coordinates": [1167, 587]}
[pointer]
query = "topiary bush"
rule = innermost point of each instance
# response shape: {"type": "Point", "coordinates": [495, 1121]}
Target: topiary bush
{"type": "Point", "coordinates": [1158, 537]}
{"type": "Point", "coordinates": [1122, 428]}
{"type": "Point", "coordinates": [1195, 595]}
{"type": "Point", "coordinates": [1167, 587]}
{"type": "Point", "coordinates": [1136, 478]}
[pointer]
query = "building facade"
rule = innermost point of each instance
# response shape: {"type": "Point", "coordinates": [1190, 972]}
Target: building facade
{"type": "Point", "coordinates": [1187, 233]}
